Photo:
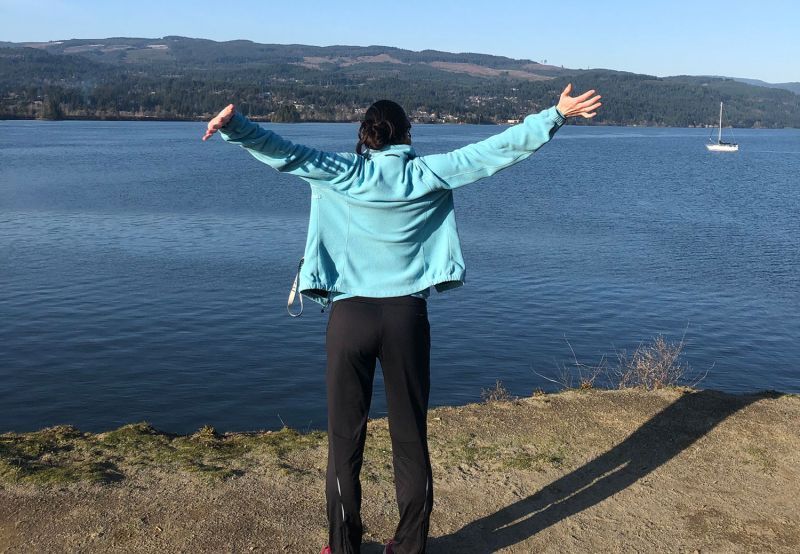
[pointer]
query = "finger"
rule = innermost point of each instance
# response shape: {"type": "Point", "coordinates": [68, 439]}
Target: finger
{"type": "Point", "coordinates": [567, 90]}
{"type": "Point", "coordinates": [589, 115]}
{"type": "Point", "coordinates": [589, 102]}
{"type": "Point", "coordinates": [592, 107]}
{"type": "Point", "coordinates": [584, 96]}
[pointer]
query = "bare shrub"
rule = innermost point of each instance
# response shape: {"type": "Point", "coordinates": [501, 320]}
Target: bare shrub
{"type": "Point", "coordinates": [497, 393]}
{"type": "Point", "coordinates": [652, 365]}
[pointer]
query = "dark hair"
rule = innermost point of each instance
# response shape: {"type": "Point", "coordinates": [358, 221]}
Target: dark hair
{"type": "Point", "coordinates": [384, 123]}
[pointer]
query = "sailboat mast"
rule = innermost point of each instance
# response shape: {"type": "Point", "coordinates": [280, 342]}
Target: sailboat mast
{"type": "Point", "coordinates": [719, 138]}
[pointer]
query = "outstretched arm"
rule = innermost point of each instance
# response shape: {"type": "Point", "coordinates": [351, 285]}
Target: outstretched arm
{"type": "Point", "coordinates": [268, 147]}
{"type": "Point", "coordinates": [487, 157]}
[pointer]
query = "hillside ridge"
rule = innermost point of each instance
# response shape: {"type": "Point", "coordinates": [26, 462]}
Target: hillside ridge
{"type": "Point", "coordinates": [184, 78]}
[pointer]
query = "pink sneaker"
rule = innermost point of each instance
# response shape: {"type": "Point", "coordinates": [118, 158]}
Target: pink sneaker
{"type": "Point", "coordinates": [388, 549]}
{"type": "Point", "coordinates": [326, 550]}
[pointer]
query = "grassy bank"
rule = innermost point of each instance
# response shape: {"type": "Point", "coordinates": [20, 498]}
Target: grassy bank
{"type": "Point", "coordinates": [670, 470]}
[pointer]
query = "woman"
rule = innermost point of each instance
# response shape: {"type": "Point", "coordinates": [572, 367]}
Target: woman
{"type": "Point", "coordinates": [381, 232]}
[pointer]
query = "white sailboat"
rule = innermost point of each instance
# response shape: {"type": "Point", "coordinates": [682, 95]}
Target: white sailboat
{"type": "Point", "coordinates": [721, 146]}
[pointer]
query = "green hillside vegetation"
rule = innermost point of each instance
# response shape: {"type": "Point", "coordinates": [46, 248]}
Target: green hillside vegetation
{"type": "Point", "coordinates": [177, 78]}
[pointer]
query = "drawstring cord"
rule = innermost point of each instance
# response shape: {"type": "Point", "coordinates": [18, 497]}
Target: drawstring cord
{"type": "Point", "coordinates": [294, 291]}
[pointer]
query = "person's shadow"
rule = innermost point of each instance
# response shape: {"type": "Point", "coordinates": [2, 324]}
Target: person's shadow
{"type": "Point", "coordinates": [661, 438]}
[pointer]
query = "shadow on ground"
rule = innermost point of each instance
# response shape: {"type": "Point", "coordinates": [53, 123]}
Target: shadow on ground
{"type": "Point", "coordinates": [656, 442]}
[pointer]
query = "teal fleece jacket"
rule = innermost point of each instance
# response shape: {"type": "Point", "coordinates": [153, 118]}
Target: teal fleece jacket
{"type": "Point", "coordinates": [382, 224]}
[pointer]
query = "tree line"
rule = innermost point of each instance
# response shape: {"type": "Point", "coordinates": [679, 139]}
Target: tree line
{"type": "Point", "coordinates": [37, 84]}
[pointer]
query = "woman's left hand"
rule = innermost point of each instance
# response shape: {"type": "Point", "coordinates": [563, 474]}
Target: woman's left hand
{"type": "Point", "coordinates": [221, 119]}
{"type": "Point", "coordinates": [584, 105]}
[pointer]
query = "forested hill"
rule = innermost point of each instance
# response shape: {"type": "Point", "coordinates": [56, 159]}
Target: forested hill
{"type": "Point", "coordinates": [184, 78]}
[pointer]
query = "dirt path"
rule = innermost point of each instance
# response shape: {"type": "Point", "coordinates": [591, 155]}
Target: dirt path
{"type": "Point", "coordinates": [595, 471]}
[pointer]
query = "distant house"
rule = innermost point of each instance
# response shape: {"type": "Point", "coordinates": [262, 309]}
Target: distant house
{"type": "Point", "coordinates": [512, 121]}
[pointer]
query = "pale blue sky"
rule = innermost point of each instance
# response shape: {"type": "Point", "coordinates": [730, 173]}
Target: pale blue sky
{"type": "Point", "coordinates": [700, 37]}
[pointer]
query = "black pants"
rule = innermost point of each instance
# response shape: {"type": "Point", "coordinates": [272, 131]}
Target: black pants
{"type": "Point", "coordinates": [396, 332]}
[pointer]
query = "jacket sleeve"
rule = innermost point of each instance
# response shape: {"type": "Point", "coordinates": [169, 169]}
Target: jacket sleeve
{"type": "Point", "coordinates": [487, 157]}
{"type": "Point", "coordinates": [270, 148]}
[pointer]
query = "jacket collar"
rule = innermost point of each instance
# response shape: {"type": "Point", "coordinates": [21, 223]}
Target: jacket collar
{"type": "Point", "coordinates": [399, 150]}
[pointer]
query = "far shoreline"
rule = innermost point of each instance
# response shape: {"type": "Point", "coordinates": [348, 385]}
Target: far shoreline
{"type": "Point", "coordinates": [264, 120]}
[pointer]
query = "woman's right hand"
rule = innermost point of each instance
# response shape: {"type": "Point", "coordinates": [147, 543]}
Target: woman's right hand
{"type": "Point", "coordinates": [221, 119]}
{"type": "Point", "coordinates": [581, 105]}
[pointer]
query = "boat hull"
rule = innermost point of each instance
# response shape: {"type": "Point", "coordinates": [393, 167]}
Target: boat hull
{"type": "Point", "coordinates": [723, 147]}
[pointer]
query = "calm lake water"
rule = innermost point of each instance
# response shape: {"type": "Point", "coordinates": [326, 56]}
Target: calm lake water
{"type": "Point", "coordinates": [144, 273]}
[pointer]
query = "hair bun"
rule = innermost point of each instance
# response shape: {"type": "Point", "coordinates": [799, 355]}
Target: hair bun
{"type": "Point", "coordinates": [383, 131]}
{"type": "Point", "coordinates": [384, 123]}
